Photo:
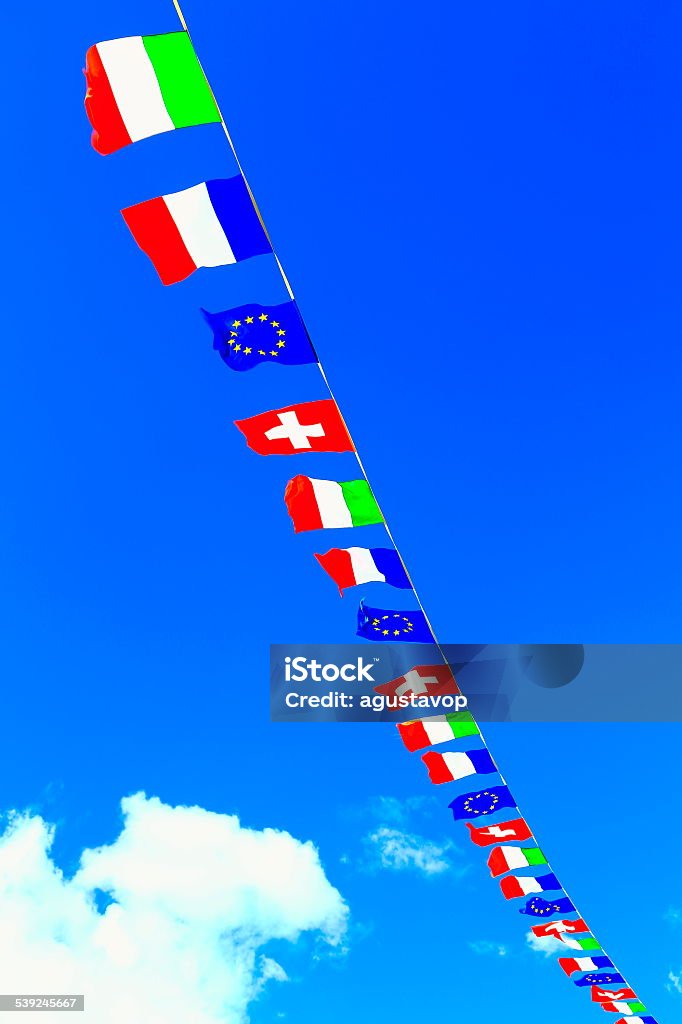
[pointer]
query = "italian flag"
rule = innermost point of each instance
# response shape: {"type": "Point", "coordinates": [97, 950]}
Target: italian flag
{"type": "Point", "coordinates": [327, 504]}
{"type": "Point", "coordinates": [524, 885]}
{"type": "Point", "coordinates": [586, 945]}
{"type": "Point", "coordinates": [626, 1008]}
{"type": "Point", "coordinates": [144, 85]}
{"type": "Point", "coordinates": [210, 224]}
{"type": "Point", "coordinates": [457, 764]}
{"type": "Point", "coordinates": [428, 732]}
{"type": "Point", "coordinates": [508, 858]}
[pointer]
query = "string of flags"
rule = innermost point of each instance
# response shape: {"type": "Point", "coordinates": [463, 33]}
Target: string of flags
{"type": "Point", "coordinates": [142, 86]}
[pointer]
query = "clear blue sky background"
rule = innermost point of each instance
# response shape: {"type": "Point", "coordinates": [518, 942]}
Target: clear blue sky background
{"type": "Point", "coordinates": [479, 209]}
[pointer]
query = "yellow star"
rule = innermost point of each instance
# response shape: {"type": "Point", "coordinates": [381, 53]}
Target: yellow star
{"type": "Point", "coordinates": [263, 316]}
{"type": "Point", "coordinates": [236, 323]}
{"type": "Point", "coordinates": [396, 632]}
{"type": "Point", "coordinates": [274, 323]}
{"type": "Point", "coordinates": [261, 352]}
{"type": "Point", "coordinates": [248, 351]}
{"type": "Point", "coordinates": [231, 341]}
{"type": "Point", "coordinates": [234, 334]}
{"type": "Point", "coordinates": [281, 333]}
{"type": "Point", "coordinates": [249, 320]}
{"type": "Point", "coordinates": [281, 344]}
{"type": "Point", "coordinates": [237, 348]}
{"type": "Point", "coordinates": [375, 622]}
{"type": "Point", "coordinates": [384, 632]}
{"type": "Point", "coordinates": [274, 353]}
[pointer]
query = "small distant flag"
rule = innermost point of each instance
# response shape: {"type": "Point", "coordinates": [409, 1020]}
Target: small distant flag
{"type": "Point", "coordinates": [457, 764]}
{"type": "Point", "coordinates": [328, 504]}
{"type": "Point", "coordinates": [253, 334]}
{"type": "Point", "coordinates": [427, 732]}
{"type": "Point", "coordinates": [508, 858]}
{"type": "Point", "coordinates": [539, 907]}
{"type": "Point", "coordinates": [390, 626]}
{"type": "Point", "coordinates": [422, 681]}
{"type": "Point", "coordinates": [514, 886]}
{"type": "Point", "coordinates": [210, 224]}
{"type": "Point", "coordinates": [350, 567]}
{"type": "Point", "coordinates": [600, 979]}
{"type": "Point", "coordinates": [504, 832]}
{"type": "Point", "coordinates": [603, 995]}
{"type": "Point", "coordinates": [626, 1008]}
{"type": "Point", "coordinates": [636, 1020]}
{"type": "Point", "coordinates": [487, 801]}
{"type": "Point", "coordinates": [307, 427]}
{"type": "Point", "coordinates": [141, 86]}
{"type": "Point", "coordinates": [558, 929]}
{"type": "Point", "coordinates": [569, 965]}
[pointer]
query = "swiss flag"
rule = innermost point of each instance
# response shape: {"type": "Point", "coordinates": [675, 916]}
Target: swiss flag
{"type": "Point", "coordinates": [606, 995]}
{"type": "Point", "coordinates": [502, 833]}
{"type": "Point", "coordinates": [557, 929]}
{"type": "Point", "coordinates": [306, 427]}
{"type": "Point", "coordinates": [422, 681]}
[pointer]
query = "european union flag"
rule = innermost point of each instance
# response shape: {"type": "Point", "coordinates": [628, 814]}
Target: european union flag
{"type": "Point", "coordinates": [487, 801]}
{"type": "Point", "coordinates": [600, 979]}
{"type": "Point", "coordinates": [539, 907]}
{"type": "Point", "coordinates": [253, 334]}
{"type": "Point", "coordinates": [393, 627]}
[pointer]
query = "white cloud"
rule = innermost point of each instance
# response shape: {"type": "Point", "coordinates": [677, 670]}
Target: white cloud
{"type": "Point", "coordinates": [196, 896]}
{"type": "Point", "coordinates": [485, 948]}
{"type": "Point", "coordinates": [548, 947]}
{"type": "Point", "coordinates": [675, 982]}
{"type": "Point", "coordinates": [400, 851]}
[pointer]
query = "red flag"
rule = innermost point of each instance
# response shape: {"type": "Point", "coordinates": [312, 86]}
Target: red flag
{"type": "Point", "coordinates": [422, 680]}
{"type": "Point", "coordinates": [306, 427]}
{"type": "Point", "coordinates": [605, 995]}
{"type": "Point", "coordinates": [502, 833]}
{"type": "Point", "coordinates": [557, 929]}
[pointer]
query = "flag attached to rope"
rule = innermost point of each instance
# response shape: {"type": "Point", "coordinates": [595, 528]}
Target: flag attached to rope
{"type": "Point", "coordinates": [457, 764]}
{"type": "Point", "coordinates": [487, 801]}
{"type": "Point", "coordinates": [539, 907]}
{"type": "Point", "coordinates": [621, 1007]}
{"type": "Point", "coordinates": [603, 995]}
{"type": "Point", "coordinates": [559, 929]}
{"type": "Point", "coordinates": [328, 504]}
{"type": "Point", "coordinates": [211, 224]}
{"type": "Point", "coordinates": [421, 681]}
{"type": "Point", "coordinates": [505, 832]}
{"type": "Point", "coordinates": [508, 858]}
{"type": "Point", "coordinates": [142, 86]}
{"type": "Point", "coordinates": [600, 979]}
{"type": "Point", "coordinates": [427, 732]}
{"type": "Point", "coordinates": [514, 886]}
{"type": "Point", "coordinates": [253, 334]}
{"type": "Point", "coordinates": [391, 626]}
{"type": "Point", "coordinates": [307, 427]}
{"type": "Point", "coordinates": [570, 965]}
{"type": "Point", "coordinates": [636, 1020]}
{"type": "Point", "coordinates": [349, 567]}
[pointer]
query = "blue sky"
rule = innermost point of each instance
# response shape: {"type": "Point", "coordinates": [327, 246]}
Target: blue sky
{"type": "Point", "coordinates": [479, 211]}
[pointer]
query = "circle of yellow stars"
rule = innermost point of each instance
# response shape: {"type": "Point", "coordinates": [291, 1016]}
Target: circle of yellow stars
{"type": "Point", "coordinates": [382, 625]}
{"type": "Point", "coordinates": [236, 345]}
{"type": "Point", "coordinates": [469, 804]}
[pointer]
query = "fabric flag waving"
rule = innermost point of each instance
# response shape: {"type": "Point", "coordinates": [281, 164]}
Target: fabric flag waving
{"type": "Point", "coordinates": [427, 732]}
{"type": "Point", "coordinates": [328, 504]}
{"type": "Point", "coordinates": [600, 979]}
{"type": "Point", "coordinates": [558, 929]}
{"type": "Point", "coordinates": [603, 995]}
{"type": "Point", "coordinates": [422, 681]}
{"type": "Point", "coordinates": [626, 1008]}
{"type": "Point", "coordinates": [253, 334]}
{"type": "Point", "coordinates": [508, 858]}
{"type": "Point", "coordinates": [142, 86]}
{"type": "Point", "coordinates": [388, 625]}
{"type": "Point", "coordinates": [349, 567]}
{"type": "Point", "coordinates": [307, 427]}
{"type": "Point", "coordinates": [487, 801]}
{"type": "Point", "coordinates": [210, 224]}
{"type": "Point", "coordinates": [636, 1020]}
{"type": "Point", "coordinates": [569, 965]}
{"type": "Point", "coordinates": [539, 907]}
{"type": "Point", "coordinates": [505, 832]}
{"type": "Point", "coordinates": [587, 945]}
{"type": "Point", "coordinates": [514, 886]}
{"type": "Point", "coordinates": [457, 764]}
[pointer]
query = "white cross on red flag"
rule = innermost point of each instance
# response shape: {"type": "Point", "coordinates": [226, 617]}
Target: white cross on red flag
{"type": "Point", "coordinates": [306, 427]}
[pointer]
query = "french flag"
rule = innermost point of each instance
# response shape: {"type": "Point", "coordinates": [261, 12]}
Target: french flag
{"type": "Point", "coordinates": [210, 224]}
